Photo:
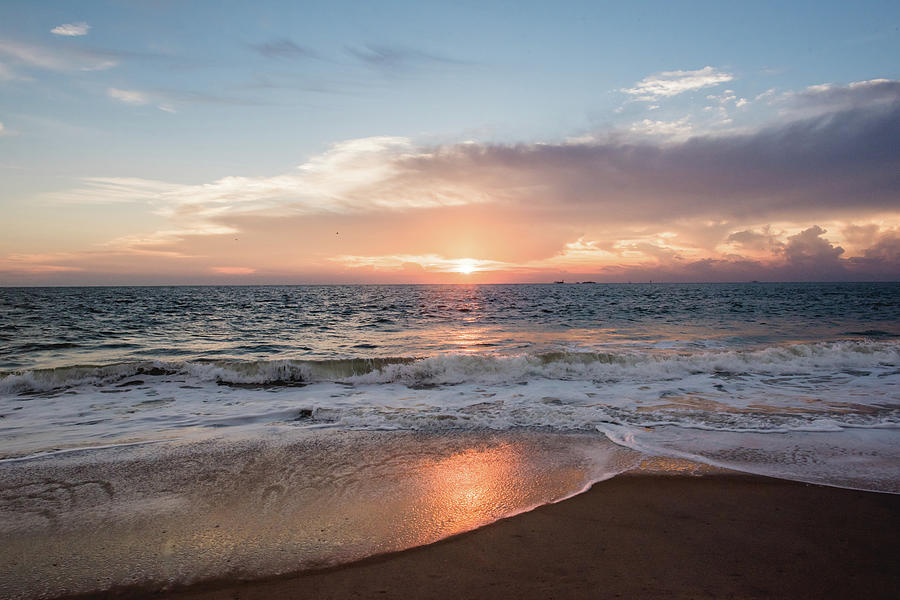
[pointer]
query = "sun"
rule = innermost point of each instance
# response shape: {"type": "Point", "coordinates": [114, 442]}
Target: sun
{"type": "Point", "coordinates": [466, 266]}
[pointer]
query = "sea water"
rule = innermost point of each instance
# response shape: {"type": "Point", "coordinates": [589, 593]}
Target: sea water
{"type": "Point", "coordinates": [158, 435]}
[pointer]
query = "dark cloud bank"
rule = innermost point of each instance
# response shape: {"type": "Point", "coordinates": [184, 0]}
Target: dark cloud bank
{"type": "Point", "coordinates": [842, 165]}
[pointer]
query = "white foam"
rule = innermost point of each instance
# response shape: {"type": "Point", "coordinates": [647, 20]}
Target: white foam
{"type": "Point", "coordinates": [827, 389]}
{"type": "Point", "coordinates": [482, 368]}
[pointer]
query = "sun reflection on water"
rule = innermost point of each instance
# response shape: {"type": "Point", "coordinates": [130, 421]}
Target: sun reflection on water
{"type": "Point", "coordinates": [318, 502]}
{"type": "Point", "coordinates": [482, 484]}
{"type": "Point", "coordinates": [471, 487]}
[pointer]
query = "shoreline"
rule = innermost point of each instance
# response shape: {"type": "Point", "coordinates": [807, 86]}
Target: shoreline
{"type": "Point", "coordinates": [635, 535]}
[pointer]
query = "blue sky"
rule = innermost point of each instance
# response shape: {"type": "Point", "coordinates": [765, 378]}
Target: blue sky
{"type": "Point", "coordinates": [189, 93]}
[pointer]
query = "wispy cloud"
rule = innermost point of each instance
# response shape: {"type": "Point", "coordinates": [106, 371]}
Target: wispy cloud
{"type": "Point", "coordinates": [394, 59]}
{"type": "Point", "coordinates": [71, 29]}
{"type": "Point", "coordinates": [4, 131]}
{"type": "Point", "coordinates": [168, 100]}
{"type": "Point", "coordinates": [671, 83]}
{"type": "Point", "coordinates": [53, 59]}
{"type": "Point", "coordinates": [7, 74]}
{"type": "Point", "coordinates": [114, 190]}
{"type": "Point", "coordinates": [38, 263]}
{"type": "Point", "coordinates": [178, 96]}
{"type": "Point", "coordinates": [357, 176]}
{"type": "Point", "coordinates": [283, 48]}
{"type": "Point", "coordinates": [139, 98]}
{"type": "Point", "coordinates": [233, 270]}
{"type": "Point", "coordinates": [128, 96]}
{"type": "Point", "coordinates": [430, 262]}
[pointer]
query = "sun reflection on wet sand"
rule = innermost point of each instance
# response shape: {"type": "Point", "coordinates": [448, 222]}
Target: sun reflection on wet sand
{"type": "Point", "coordinates": [222, 509]}
{"type": "Point", "coordinates": [474, 487]}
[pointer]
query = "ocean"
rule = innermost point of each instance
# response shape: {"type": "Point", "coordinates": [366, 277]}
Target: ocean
{"type": "Point", "coordinates": [163, 435]}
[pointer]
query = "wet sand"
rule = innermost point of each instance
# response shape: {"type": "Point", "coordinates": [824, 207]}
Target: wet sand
{"type": "Point", "coordinates": [635, 536]}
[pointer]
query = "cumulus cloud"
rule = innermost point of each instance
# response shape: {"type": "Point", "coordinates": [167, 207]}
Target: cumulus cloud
{"type": "Point", "coordinates": [875, 246]}
{"type": "Point", "coordinates": [861, 234]}
{"type": "Point", "coordinates": [71, 29]}
{"type": "Point", "coordinates": [672, 83]}
{"type": "Point", "coordinates": [885, 250]}
{"type": "Point", "coordinates": [809, 247]}
{"type": "Point", "coordinates": [680, 129]}
{"type": "Point", "coordinates": [764, 241]}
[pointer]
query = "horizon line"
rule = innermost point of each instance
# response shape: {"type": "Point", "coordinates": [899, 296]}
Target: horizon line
{"type": "Point", "coordinates": [163, 285]}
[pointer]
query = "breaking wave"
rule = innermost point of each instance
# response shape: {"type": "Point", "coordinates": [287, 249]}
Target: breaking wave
{"type": "Point", "coordinates": [450, 369]}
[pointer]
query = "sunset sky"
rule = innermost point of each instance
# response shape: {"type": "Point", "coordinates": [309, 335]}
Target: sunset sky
{"type": "Point", "coordinates": [158, 142]}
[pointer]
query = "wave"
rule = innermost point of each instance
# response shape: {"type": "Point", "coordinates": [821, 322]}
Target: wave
{"type": "Point", "coordinates": [849, 357]}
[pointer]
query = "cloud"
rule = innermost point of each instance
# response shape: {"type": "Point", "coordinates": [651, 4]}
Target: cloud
{"type": "Point", "coordinates": [844, 162]}
{"type": "Point", "coordinates": [885, 250]}
{"type": "Point", "coordinates": [7, 74]}
{"type": "Point", "coordinates": [5, 131]}
{"type": "Point", "coordinates": [128, 96]}
{"type": "Point", "coordinates": [769, 93]}
{"type": "Point", "coordinates": [233, 270]}
{"type": "Point", "coordinates": [763, 204]}
{"type": "Point", "coordinates": [166, 100]}
{"type": "Point", "coordinates": [71, 29]}
{"type": "Point", "coordinates": [52, 59]}
{"type": "Point", "coordinates": [722, 103]}
{"type": "Point", "coordinates": [680, 129]}
{"type": "Point", "coordinates": [809, 248]}
{"type": "Point", "coordinates": [37, 263]}
{"type": "Point", "coordinates": [671, 83]}
{"type": "Point", "coordinates": [195, 97]}
{"type": "Point", "coordinates": [840, 162]}
{"type": "Point", "coordinates": [765, 241]}
{"type": "Point", "coordinates": [113, 190]}
{"type": "Point", "coordinates": [428, 262]}
{"type": "Point", "coordinates": [829, 97]}
{"type": "Point", "coordinates": [357, 176]}
{"type": "Point", "coordinates": [394, 59]}
{"type": "Point", "coordinates": [283, 48]}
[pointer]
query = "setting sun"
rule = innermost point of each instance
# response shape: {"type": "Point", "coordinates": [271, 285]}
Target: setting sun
{"type": "Point", "coordinates": [466, 266]}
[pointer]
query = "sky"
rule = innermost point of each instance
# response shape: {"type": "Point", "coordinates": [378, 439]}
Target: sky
{"type": "Point", "coordinates": [166, 142]}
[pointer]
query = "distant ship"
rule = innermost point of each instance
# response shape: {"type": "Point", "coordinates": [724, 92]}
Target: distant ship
{"type": "Point", "coordinates": [560, 281]}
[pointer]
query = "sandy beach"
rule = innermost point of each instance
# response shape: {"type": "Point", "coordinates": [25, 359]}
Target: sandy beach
{"type": "Point", "coordinates": [634, 536]}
